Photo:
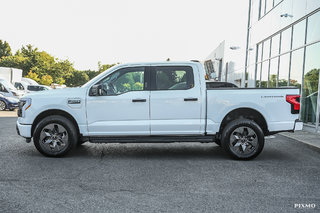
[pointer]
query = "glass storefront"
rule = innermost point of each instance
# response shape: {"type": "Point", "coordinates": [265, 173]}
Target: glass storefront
{"type": "Point", "coordinates": [290, 57]}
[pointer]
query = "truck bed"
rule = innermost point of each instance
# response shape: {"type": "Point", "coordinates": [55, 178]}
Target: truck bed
{"type": "Point", "coordinates": [269, 102]}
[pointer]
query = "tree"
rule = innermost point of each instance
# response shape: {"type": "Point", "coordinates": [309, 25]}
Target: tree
{"type": "Point", "coordinates": [5, 49]}
{"type": "Point", "coordinates": [104, 67]}
{"type": "Point", "coordinates": [311, 82]}
{"type": "Point", "coordinates": [91, 73]}
{"type": "Point", "coordinates": [46, 80]}
{"type": "Point", "coordinates": [14, 61]}
{"type": "Point", "coordinates": [77, 78]}
{"type": "Point", "coordinates": [33, 76]}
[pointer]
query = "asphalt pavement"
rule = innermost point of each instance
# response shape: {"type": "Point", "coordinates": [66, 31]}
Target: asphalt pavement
{"type": "Point", "coordinates": [177, 177]}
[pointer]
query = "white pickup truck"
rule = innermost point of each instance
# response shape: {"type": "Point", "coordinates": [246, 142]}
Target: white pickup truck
{"type": "Point", "coordinates": [157, 102]}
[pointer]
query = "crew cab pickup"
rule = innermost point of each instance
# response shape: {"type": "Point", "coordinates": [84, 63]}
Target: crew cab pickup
{"type": "Point", "coordinates": [160, 103]}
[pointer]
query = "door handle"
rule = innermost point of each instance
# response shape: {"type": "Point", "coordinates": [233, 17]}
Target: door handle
{"type": "Point", "coordinates": [191, 99]}
{"type": "Point", "coordinates": [139, 100]}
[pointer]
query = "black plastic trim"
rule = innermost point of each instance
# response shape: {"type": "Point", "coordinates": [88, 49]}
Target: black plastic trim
{"type": "Point", "coordinates": [151, 139]}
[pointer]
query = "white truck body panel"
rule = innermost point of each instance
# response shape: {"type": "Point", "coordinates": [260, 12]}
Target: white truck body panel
{"type": "Point", "coordinates": [269, 102]}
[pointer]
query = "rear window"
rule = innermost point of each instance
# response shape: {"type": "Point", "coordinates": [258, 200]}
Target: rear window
{"type": "Point", "coordinates": [173, 78]}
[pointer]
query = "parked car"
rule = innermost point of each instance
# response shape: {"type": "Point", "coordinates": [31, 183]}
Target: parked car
{"type": "Point", "coordinates": [9, 103]}
{"type": "Point", "coordinates": [21, 86]}
{"type": "Point", "coordinates": [29, 81]}
{"type": "Point", "coordinates": [157, 102]}
{"type": "Point", "coordinates": [37, 88]}
{"type": "Point", "coordinates": [8, 90]}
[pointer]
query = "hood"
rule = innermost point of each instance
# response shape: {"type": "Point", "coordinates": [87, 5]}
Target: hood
{"type": "Point", "coordinates": [56, 93]}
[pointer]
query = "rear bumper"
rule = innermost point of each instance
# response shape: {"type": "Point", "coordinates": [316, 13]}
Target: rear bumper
{"type": "Point", "coordinates": [298, 125]}
{"type": "Point", "coordinates": [23, 130]}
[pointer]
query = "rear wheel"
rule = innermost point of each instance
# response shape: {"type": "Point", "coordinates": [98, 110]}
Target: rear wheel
{"type": "Point", "coordinates": [55, 136]}
{"type": "Point", "coordinates": [3, 105]}
{"type": "Point", "coordinates": [243, 139]}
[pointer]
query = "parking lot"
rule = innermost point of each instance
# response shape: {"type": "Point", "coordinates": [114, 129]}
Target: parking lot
{"type": "Point", "coordinates": [177, 177]}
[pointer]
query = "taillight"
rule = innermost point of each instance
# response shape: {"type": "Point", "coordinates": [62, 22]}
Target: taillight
{"type": "Point", "coordinates": [294, 100]}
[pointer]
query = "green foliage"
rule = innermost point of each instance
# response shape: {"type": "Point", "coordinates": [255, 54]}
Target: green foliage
{"type": "Point", "coordinates": [91, 73]}
{"type": "Point", "coordinates": [46, 80]}
{"type": "Point", "coordinates": [39, 64]}
{"type": "Point", "coordinates": [311, 82]}
{"type": "Point", "coordinates": [5, 49]}
{"type": "Point", "coordinates": [33, 76]}
{"type": "Point", "coordinates": [14, 61]}
{"type": "Point", "coordinates": [104, 67]}
{"type": "Point", "coordinates": [138, 86]}
{"type": "Point", "coordinates": [128, 81]}
{"type": "Point", "coordinates": [283, 82]}
{"type": "Point", "coordinates": [77, 78]}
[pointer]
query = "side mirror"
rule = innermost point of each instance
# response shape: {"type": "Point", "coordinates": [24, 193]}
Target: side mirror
{"type": "Point", "coordinates": [96, 90]}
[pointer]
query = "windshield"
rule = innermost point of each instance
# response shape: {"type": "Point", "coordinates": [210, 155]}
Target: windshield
{"type": "Point", "coordinates": [7, 84]}
{"type": "Point", "coordinates": [98, 76]}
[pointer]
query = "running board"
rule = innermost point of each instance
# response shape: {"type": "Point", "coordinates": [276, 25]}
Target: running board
{"type": "Point", "coordinates": [152, 139]}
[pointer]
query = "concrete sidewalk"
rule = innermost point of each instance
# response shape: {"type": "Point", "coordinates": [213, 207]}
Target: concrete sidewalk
{"type": "Point", "coordinates": [307, 137]}
{"type": "Point", "coordinates": [7, 113]}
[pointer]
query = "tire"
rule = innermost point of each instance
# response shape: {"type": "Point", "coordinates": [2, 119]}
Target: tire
{"type": "Point", "coordinates": [218, 142]}
{"type": "Point", "coordinates": [243, 139]}
{"type": "Point", "coordinates": [55, 136]}
{"type": "Point", "coordinates": [3, 105]}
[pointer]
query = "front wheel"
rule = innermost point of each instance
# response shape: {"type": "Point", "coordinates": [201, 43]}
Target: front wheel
{"type": "Point", "coordinates": [55, 136]}
{"type": "Point", "coordinates": [243, 139]}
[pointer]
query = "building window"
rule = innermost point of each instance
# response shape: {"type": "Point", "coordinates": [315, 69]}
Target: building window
{"type": "Point", "coordinates": [313, 33]}
{"type": "Point", "coordinates": [266, 49]}
{"type": "Point", "coordinates": [209, 67]}
{"type": "Point", "coordinates": [296, 68]}
{"type": "Point", "coordinates": [264, 74]}
{"type": "Point", "coordinates": [258, 75]}
{"type": "Point", "coordinates": [267, 5]}
{"type": "Point", "coordinates": [310, 84]}
{"type": "Point", "coordinates": [286, 40]}
{"type": "Point", "coordinates": [298, 35]}
{"type": "Point", "coordinates": [284, 70]}
{"type": "Point", "coordinates": [273, 76]}
{"type": "Point", "coordinates": [275, 45]}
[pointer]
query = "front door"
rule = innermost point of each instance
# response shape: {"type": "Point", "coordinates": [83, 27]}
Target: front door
{"type": "Point", "coordinates": [123, 106]}
{"type": "Point", "coordinates": [175, 101]}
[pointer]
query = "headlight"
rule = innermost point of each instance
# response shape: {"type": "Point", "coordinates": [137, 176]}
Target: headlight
{"type": "Point", "coordinates": [24, 104]}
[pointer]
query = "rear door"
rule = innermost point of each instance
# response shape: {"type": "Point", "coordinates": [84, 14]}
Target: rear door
{"type": "Point", "coordinates": [175, 101]}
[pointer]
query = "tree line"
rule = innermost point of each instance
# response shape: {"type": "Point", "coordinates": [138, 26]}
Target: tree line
{"type": "Point", "coordinates": [44, 68]}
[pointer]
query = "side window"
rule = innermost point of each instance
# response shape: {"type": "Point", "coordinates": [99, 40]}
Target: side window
{"type": "Point", "coordinates": [123, 80]}
{"type": "Point", "coordinates": [19, 86]}
{"type": "Point", "coordinates": [173, 78]}
{"type": "Point", "coordinates": [2, 88]}
{"type": "Point", "coordinates": [31, 88]}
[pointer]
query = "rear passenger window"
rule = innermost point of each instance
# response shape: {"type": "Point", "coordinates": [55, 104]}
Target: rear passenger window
{"type": "Point", "coordinates": [174, 78]}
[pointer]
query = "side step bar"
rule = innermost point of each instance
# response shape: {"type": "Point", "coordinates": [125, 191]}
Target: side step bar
{"type": "Point", "coordinates": [152, 139]}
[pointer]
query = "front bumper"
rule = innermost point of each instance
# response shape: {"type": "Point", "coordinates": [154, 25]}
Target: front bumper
{"type": "Point", "coordinates": [24, 130]}
{"type": "Point", "coordinates": [298, 125]}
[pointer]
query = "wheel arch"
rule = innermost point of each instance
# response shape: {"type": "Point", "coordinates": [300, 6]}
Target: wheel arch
{"type": "Point", "coordinates": [248, 113]}
{"type": "Point", "coordinates": [49, 112]}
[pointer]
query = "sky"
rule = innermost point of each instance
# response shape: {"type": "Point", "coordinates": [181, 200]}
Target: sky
{"type": "Point", "coordinates": [112, 31]}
